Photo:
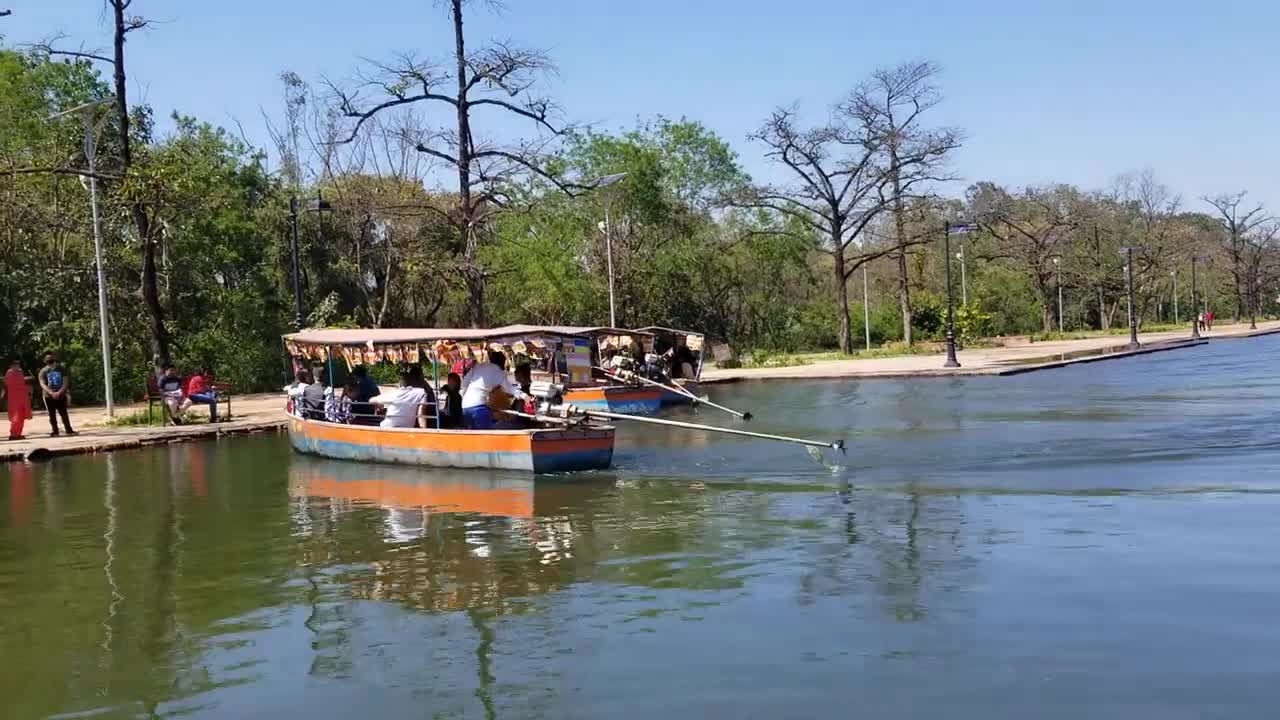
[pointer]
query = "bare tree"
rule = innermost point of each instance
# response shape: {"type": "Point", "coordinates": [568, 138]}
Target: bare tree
{"type": "Point", "coordinates": [1238, 223]}
{"type": "Point", "coordinates": [891, 104]}
{"type": "Point", "coordinates": [498, 78]}
{"type": "Point", "coordinates": [122, 24]}
{"type": "Point", "coordinates": [837, 190]}
{"type": "Point", "coordinates": [1258, 248]}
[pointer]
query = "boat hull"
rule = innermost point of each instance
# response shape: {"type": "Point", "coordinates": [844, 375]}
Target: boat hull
{"type": "Point", "coordinates": [538, 451]}
{"type": "Point", "coordinates": [622, 399]}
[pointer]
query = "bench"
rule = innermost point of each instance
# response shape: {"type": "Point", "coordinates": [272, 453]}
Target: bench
{"type": "Point", "coordinates": [156, 398]}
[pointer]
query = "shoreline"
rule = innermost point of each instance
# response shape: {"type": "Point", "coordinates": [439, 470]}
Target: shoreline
{"type": "Point", "coordinates": [998, 361]}
{"type": "Point", "coordinates": [263, 412]}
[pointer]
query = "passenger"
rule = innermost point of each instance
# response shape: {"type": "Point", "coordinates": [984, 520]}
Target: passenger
{"type": "Point", "coordinates": [427, 413]}
{"type": "Point", "coordinates": [451, 403]}
{"type": "Point", "coordinates": [301, 379]}
{"type": "Point", "coordinates": [366, 389]}
{"type": "Point", "coordinates": [682, 360]}
{"type": "Point", "coordinates": [313, 398]}
{"type": "Point", "coordinates": [349, 390]}
{"type": "Point", "coordinates": [525, 400]}
{"type": "Point", "coordinates": [403, 405]}
{"type": "Point", "coordinates": [483, 381]}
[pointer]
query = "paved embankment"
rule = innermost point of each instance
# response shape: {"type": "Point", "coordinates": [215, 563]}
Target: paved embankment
{"type": "Point", "coordinates": [1007, 360]}
{"type": "Point", "coordinates": [252, 413]}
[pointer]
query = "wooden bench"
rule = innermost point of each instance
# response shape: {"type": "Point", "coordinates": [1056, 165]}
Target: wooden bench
{"type": "Point", "coordinates": [156, 398]}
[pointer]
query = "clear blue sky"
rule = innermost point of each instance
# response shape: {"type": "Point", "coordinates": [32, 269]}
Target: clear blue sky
{"type": "Point", "coordinates": [1074, 91]}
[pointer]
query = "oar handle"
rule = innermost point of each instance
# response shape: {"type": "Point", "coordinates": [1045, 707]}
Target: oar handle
{"type": "Point", "coordinates": [674, 388]}
{"type": "Point", "coordinates": [567, 410]}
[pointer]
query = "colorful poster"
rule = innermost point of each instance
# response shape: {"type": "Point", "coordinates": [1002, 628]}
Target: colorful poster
{"type": "Point", "coordinates": [577, 356]}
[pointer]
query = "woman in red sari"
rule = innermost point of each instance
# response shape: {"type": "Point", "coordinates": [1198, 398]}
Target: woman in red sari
{"type": "Point", "coordinates": [19, 399]}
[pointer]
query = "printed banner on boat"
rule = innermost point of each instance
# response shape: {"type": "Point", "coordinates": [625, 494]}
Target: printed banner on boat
{"type": "Point", "coordinates": [577, 358]}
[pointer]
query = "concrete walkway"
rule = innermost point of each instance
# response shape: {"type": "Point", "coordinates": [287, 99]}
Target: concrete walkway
{"type": "Point", "coordinates": [987, 361]}
{"type": "Point", "coordinates": [251, 413]}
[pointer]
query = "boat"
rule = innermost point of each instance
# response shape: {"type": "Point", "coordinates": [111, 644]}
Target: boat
{"type": "Point", "coordinates": [564, 447]}
{"type": "Point", "coordinates": [575, 377]}
{"type": "Point", "coordinates": [664, 338]}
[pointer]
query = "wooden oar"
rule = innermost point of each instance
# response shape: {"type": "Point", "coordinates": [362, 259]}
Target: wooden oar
{"type": "Point", "coordinates": [565, 410]}
{"type": "Point", "coordinates": [673, 387]}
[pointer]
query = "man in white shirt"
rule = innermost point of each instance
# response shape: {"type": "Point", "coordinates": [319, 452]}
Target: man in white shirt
{"type": "Point", "coordinates": [477, 385]}
{"type": "Point", "coordinates": [402, 405]}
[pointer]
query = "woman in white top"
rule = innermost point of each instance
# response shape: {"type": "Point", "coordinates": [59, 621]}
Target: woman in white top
{"type": "Point", "coordinates": [402, 405]}
{"type": "Point", "coordinates": [476, 386]}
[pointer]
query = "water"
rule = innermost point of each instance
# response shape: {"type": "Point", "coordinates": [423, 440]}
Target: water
{"type": "Point", "coordinates": [1092, 542]}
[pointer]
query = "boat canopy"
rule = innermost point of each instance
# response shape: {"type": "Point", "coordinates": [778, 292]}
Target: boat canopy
{"type": "Point", "coordinates": [412, 345]}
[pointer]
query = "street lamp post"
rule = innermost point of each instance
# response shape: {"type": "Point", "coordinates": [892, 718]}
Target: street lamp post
{"type": "Point", "coordinates": [1194, 304]}
{"type": "Point", "coordinates": [86, 112]}
{"type": "Point", "coordinates": [1133, 318]}
{"type": "Point", "coordinates": [297, 271]}
{"type": "Point", "coordinates": [947, 230]}
{"type": "Point", "coordinates": [607, 229]}
{"type": "Point", "coordinates": [1057, 280]}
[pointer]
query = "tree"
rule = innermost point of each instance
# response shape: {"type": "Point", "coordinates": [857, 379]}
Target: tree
{"type": "Point", "coordinates": [1030, 230]}
{"type": "Point", "coordinates": [498, 78]}
{"type": "Point", "coordinates": [1237, 222]}
{"type": "Point", "coordinates": [891, 104]}
{"type": "Point", "coordinates": [836, 191]}
{"type": "Point", "coordinates": [122, 24]}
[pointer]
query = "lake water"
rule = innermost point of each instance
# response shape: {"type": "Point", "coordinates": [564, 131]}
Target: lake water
{"type": "Point", "coordinates": [1098, 541]}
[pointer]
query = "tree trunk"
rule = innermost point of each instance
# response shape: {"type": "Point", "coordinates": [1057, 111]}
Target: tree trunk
{"type": "Point", "coordinates": [1235, 275]}
{"type": "Point", "coordinates": [472, 274]}
{"type": "Point", "coordinates": [900, 231]}
{"type": "Point", "coordinates": [842, 300]}
{"type": "Point", "coordinates": [142, 223]}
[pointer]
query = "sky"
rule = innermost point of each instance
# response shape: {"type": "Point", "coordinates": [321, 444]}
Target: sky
{"type": "Point", "coordinates": [1076, 91]}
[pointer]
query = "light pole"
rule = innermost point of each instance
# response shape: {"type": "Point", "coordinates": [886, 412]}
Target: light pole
{"type": "Point", "coordinates": [964, 278]}
{"type": "Point", "coordinates": [1195, 303]}
{"type": "Point", "coordinates": [86, 112]}
{"type": "Point", "coordinates": [297, 272]}
{"type": "Point", "coordinates": [1174, 274]}
{"type": "Point", "coordinates": [1133, 319]}
{"type": "Point", "coordinates": [947, 230]}
{"type": "Point", "coordinates": [318, 206]}
{"type": "Point", "coordinates": [1057, 280]}
{"type": "Point", "coordinates": [607, 229]}
{"type": "Point", "coordinates": [866, 307]}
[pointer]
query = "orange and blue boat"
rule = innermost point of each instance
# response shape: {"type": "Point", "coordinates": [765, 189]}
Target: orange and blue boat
{"type": "Point", "coordinates": [537, 449]}
{"type": "Point", "coordinates": [546, 450]}
{"type": "Point", "coordinates": [577, 376]}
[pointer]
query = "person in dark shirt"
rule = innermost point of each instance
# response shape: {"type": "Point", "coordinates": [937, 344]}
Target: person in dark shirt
{"type": "Point", "coordinates": [451, 403]}
{"type": "Point", "coordinates": [170, 386]}
{"type": "Point", "coordinates": [362, 411]}
{"type": "Point", "coordinates": [55, 385]}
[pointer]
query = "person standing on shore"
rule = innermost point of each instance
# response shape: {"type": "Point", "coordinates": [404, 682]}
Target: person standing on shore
{"type": "Point", "coordinates": [55, 385]}
{"type": "Point", "coordinates": [18, 399]}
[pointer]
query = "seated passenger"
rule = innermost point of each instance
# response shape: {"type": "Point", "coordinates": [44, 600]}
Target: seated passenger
{"type": "Point", "coordinates": [451, 403]}
{"type": "Point", "coordinates": [403, 405]}
{"type": "Point", "coordinates": [478, 384]}
{"type": "Point", "coordinates": [427, 413]}
{"type": "Point", "coordinates": [313, 398]}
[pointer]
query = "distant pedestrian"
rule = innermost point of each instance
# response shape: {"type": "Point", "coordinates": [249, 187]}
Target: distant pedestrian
{"type": "Point", "coordinates": [55, 387]}
{"type": "Point", "coordinates": [1208, 320]}
{"type": "Point", "coordinates": [18, 399]}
